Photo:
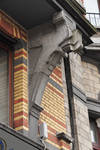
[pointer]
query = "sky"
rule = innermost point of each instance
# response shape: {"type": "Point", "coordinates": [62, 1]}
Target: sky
{"type": "Point", "coordinates": [91, 6]}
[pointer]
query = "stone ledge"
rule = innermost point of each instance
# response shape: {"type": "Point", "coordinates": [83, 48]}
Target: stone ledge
{"type": "Point", "coordinates": [65, 137]}
{"type": "Point", "coordinates": [79, 93]}
{"type": "Point", "coordinates": [93, 107]}
{"type": "Point", "coordinates": [21, 137]}
{"type": "Point", "coordinates": [35, 110]}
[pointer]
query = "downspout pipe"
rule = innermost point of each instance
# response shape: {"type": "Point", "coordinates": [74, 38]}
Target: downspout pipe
{"type": "Point", "coordinates": [70, 98]}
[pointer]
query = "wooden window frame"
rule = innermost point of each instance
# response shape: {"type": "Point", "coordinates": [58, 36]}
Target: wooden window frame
{"type": "Point", "coordinates": [10, 82]}
{"type": "Point", "coordinates": [96, 146]}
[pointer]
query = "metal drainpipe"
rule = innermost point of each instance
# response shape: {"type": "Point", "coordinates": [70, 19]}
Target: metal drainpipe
{"type": "Point", "coordinates": [70, 97]}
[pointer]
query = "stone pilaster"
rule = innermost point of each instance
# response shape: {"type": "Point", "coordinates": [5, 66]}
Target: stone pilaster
{"type": "Point", "coordinates": [81, 118]}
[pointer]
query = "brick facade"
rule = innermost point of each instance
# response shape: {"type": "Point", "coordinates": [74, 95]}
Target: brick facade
{"type": "Point", "coordinates": [49, 99]}
{"type": "Point", "coordinates": [10, 27]}
{"type": "Point", "coordinates": [91, 78]}
{"type": "Point", "coordinates": [20, 75]}
{"type": "Point", "coordinates": [54, 110]}
{"type": "Point", "coordinates": [20, 90]}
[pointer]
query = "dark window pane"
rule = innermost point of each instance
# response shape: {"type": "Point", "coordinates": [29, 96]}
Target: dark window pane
{"type": "Point", "coordinates": [3, 86]}
{"type": "Point", "coordinates": [93, 131]}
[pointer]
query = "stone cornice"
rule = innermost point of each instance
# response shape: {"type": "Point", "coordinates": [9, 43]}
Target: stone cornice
{"type": "Point", "coordinates": [79, 93]}
{"type": "Point", "coordinates": [93, 107]}
{"type": "Point", "coordinates": [81, 9]}
{"type": "Point", "coordinates": [35, 110]}
{"type": "Point", "coordinates": [93, 101]}
{"type": "Point", "coordinates": [92, 51]}
{"type": "Point", "coordinates": [70, 7]}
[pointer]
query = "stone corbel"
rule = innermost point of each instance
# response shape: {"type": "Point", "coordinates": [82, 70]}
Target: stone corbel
{"type": "Point", "coordinates": [51, 38]}
{"type": "Point", "coordinates": [65, 137]}
{"type": "Point", "coordinates": [55, 39]}
{"type": "Point", "coordinates": [73, 43]}
{"type": "Point", "coordinates": [65, 18]}
{"type": "Point", "coordinates": [73, 40]}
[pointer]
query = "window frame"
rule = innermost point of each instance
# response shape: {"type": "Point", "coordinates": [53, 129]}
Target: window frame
{"type": "Point", "coordinates": [7, 48]}
{"type": "Point", "coordinates": [96, 146]}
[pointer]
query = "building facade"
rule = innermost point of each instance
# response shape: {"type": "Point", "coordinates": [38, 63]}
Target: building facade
{"type": "Point", "coordinates": [49, 75]}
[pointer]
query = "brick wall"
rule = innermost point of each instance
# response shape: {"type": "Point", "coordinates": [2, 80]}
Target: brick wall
{"type": "Point", "coordinates": [20, 90]}
{"type": "Point", "coordinates": [11, 27]}
{"type": "Point", "coordinates": [54, 110]}
{"type": "Point", "coordinates": [91, 78]}
{"type": "Point", "coordinates": [76, 70]}
{"type": "Point", "coordinates": [20, 70]}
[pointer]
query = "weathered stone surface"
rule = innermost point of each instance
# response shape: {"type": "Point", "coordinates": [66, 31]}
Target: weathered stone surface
{"type": "Point", "coordinates": [91, 78]}
{"type": "Point", "coordinates": [81, 118]}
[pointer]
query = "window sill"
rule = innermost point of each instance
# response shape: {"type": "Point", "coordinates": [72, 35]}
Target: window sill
{"type": "Point", "coordinates": [96, 146]}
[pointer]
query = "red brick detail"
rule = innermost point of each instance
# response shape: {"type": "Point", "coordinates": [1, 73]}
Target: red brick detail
{"type": "Point", "coordinates": [54, 90]}
{"type": "Point", "coordinates": [52, 130]}
{"type": "Point", "coordinates": [20, 122]}
{"type": "Point", "coordinates": [8, 26]}
{"type": "Point", "coordinates": [23, 35]}
{"type": "Point", "coordinates": [21, 100]}
{"type": "Point", "coordinates": [20, 114]}
{"type": "Point", "coordinates": [63, 144]}
{"type": "Point", "coordinates": [56, 78]}
{"type": "Point", "coordinates": [57, 72]}
{"type": "Point", "coordinates": [5, 26]}
{"type": "Point", "coordinates": [53, 118]}
{"type": "Point", "coordinates": [20, 68]}
{"type": "Point", "coordinates": [54, 139]}
{"type": "Point", "coordinates": [20, 53]}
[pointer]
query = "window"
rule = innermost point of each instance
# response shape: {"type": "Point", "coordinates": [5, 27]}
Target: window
{"type": "Point", "coordinates": [95, 134]}
{"type": "Point", "coordinates": [5, 84]}
{"type": "Point", "coordinates": [93, 131]}
{"type": "Point", "coordinates": [93, 11]}
{"type": "Point", "coordinates": [91, 7]}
